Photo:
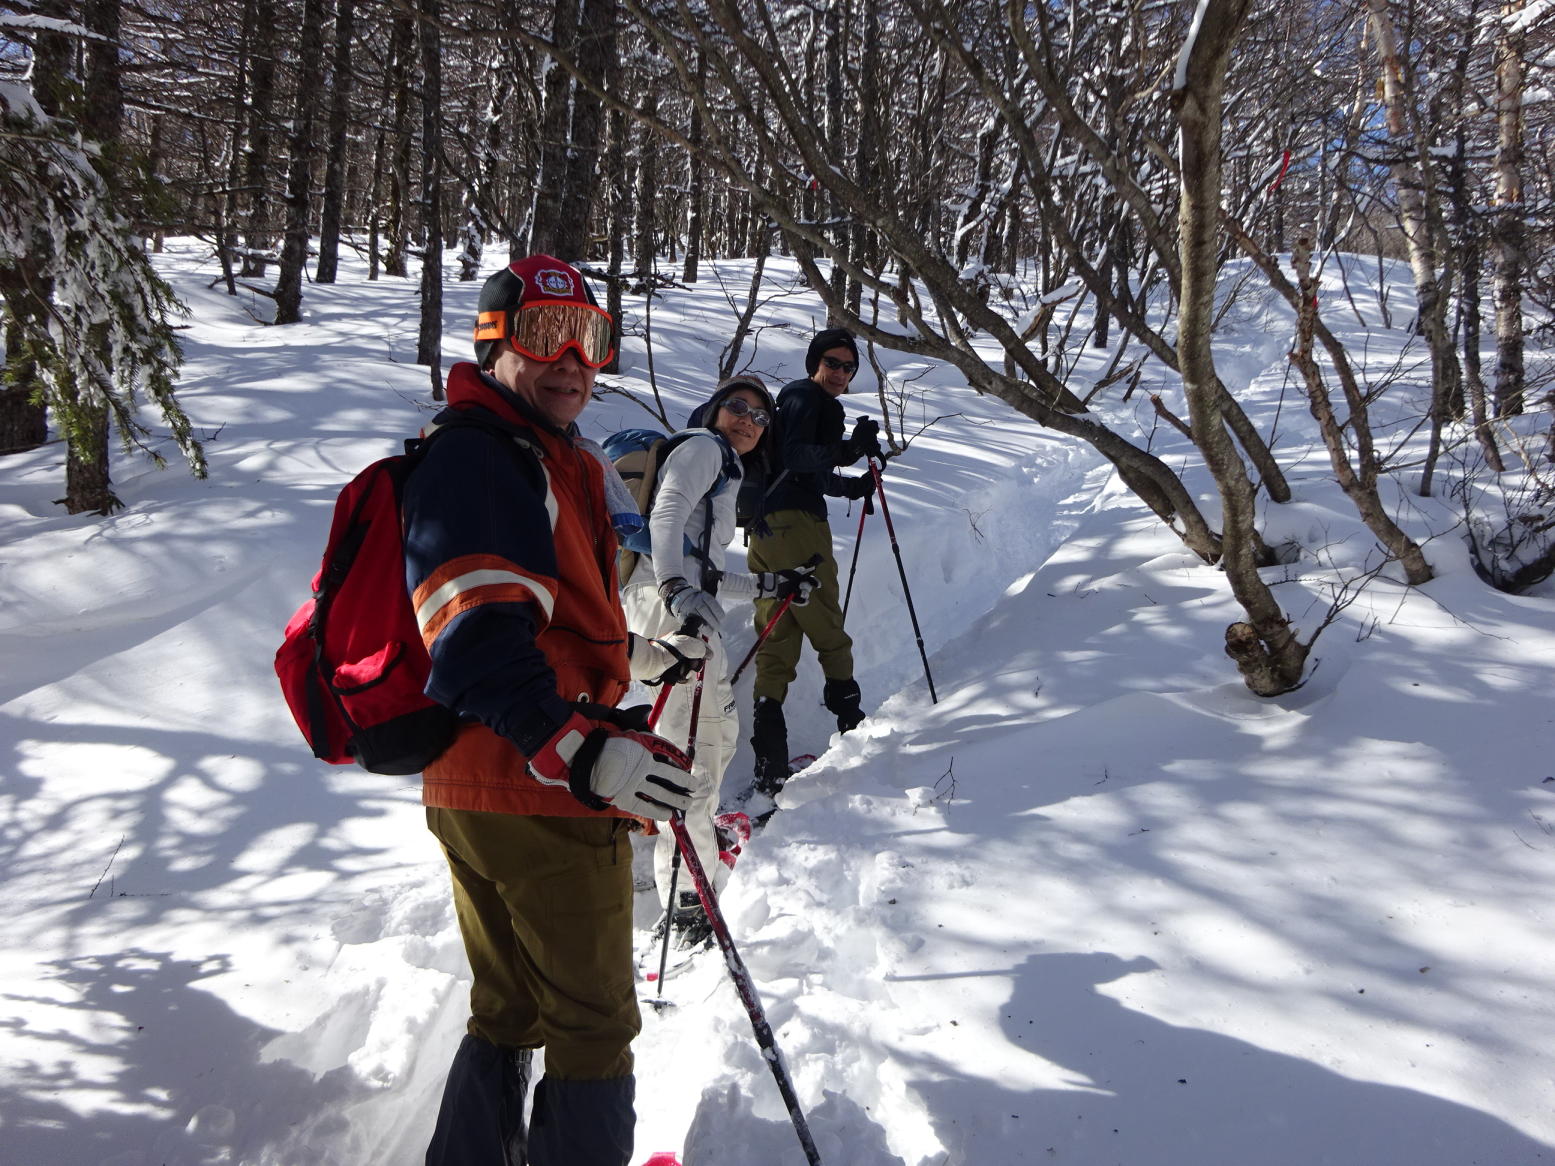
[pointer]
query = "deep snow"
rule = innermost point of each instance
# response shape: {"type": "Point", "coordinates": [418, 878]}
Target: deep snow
{"type": "Point", "coordinates": [1097, 905]}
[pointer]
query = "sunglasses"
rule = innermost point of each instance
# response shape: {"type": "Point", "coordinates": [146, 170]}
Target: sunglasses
{"type": "Point", "coordinates": [760, 418]}
{"type": "Point", "coordinates": [544, 331]}
{"type": "Point", "coordinates": [848, 366]}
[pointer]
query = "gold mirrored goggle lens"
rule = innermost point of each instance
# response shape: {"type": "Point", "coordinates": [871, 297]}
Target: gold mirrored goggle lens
{"type": "Point", "coordinates": [545, 331]}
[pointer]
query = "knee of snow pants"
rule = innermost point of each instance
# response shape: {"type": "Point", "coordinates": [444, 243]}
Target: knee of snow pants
{"type": "Point", "coordinates": [796, 537]}
{"type": "Point", "coordinates": [545, 909]}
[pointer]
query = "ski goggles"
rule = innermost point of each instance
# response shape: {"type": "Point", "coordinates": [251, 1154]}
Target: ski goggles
{"type": "Point", "coordinates": [544, 331]}
{"type": "Point", "coordinates": [739, 407]}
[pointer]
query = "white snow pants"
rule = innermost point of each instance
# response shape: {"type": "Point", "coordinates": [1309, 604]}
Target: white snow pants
{"type": "Point", "coordinates": [718, 732]}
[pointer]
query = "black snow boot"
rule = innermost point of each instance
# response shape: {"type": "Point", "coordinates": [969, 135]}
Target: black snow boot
{"type": "Point", "coordinates": [769, 738]}
{"type": "Point", "coordinates": [582, 1123]}
{"type": "Point", "coordinates": [843, 699]}
{"type": "Point", "coordinates": [482, 1116]}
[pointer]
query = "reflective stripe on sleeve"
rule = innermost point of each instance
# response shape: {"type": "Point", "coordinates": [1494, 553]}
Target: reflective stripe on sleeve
{"type": "Point", "coordinates": [471, 581]}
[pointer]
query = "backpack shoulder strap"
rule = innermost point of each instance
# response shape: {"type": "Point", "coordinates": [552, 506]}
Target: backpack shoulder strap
{"type": "Point", "coordinates": [528, 453]}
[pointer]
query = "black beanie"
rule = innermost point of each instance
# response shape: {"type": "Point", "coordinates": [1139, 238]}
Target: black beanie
{"type": "Point", "coordinates": [824, 342]}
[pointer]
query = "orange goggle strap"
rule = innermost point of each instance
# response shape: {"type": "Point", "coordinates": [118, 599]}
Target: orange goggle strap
{"type": "Point", "coordinates": [544, 331]}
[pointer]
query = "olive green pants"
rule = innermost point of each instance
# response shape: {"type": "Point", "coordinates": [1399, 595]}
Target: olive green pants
{"type": "Point", "coordinates": [795, 537]}
{"type": "Point", "coordinates": [545, 908]}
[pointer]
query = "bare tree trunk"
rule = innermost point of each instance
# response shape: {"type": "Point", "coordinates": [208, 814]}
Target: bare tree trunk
{"type": "Point", "coordinates": [1468, 231]}
{"type": "Point", "coordinates": [402, 56]}
{"type": "Point", "coordinates": [1265, 647]}
{"type": "Point", "coordinates": [1360, 486]}
{"type": "Point", "coordinates": [299, 173]}
{"type": "Point", "coordinates": [550, 209]}
{"type": "Point", "coordinates": [375, 224]}
{"type": "Point", "coordinates": [597, 57]}
{"type": "Point", "coordinates": [618, 219]}
{"type": "Point", "coordinates": [872, 118]}
{"type": "Point", "coordinates": [832, 49]}
{"type": "Point", "coordinates": [341, 84]}
{"type": "Point", "coordinates": [1414, 181]}
{"type": "Point", "coordinates": [1507, 222]}
{"type": "Point", "coordinates": [647, 191]}
{"type": "Point", "coordinates": [694, 193]}
{"type": "Point", "coordinates": [258, 237]}
{"type": "Point", "coordinates": [742, 326]}
{"type": "Point", "coordinates": [429, 343]}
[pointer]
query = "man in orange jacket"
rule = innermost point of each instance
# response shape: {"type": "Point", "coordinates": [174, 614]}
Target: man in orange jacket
{"type": "Point", "coordinates": [510, 561]}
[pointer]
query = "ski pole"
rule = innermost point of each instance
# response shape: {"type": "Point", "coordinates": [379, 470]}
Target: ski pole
{"type": "Point", "coordinates": [858, 541]}
{"type": "Point", "coordinates": [746, 987]}
{"type": "Point", "coordinates": [813, 561]}
{"type": "Point", "coordinates": [669, 909]}
{"type": "Point", "coordinates": [691, 627]}
{"type": "Point", "coordinates": [765, 632]}
{"type": "Point", "coordinates": [902, 570]}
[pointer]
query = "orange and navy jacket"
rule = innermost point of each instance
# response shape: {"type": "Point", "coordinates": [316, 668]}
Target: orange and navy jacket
{"type": "Point", "coordinates": [511, 569]}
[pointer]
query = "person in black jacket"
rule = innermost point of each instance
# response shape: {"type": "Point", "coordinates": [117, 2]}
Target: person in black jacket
{"type": "Point", "coordinates": [791, 530]}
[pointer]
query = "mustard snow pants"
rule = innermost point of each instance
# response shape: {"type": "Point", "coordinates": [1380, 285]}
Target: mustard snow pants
{"type": "Point", "coordinates": [796, 536]}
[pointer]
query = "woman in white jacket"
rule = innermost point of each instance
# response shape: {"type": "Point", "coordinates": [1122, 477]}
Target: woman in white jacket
{"type": "Point", "coordinates": [691, 521]}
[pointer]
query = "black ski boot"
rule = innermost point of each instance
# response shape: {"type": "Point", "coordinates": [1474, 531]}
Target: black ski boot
{"type": "Point", "coordinates": [769, 738]}
{"type": "Point", "coordinates": [842, 698]}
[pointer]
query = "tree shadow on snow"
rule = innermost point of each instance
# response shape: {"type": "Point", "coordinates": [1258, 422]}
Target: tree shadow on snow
{"type": "Point", "coordinates": [1148, 1093]}
{"type": "Point", "coordinates": [179, 1080]}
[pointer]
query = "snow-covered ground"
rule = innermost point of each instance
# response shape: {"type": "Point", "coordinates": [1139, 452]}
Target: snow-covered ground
{"type": "Point", "coordinates": [1097, 905]}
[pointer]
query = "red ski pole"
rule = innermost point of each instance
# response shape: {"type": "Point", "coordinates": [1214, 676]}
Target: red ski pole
{"type": "Point", "coordinates": [858, 541]}
{"type": "Point", "coordinates": [765, 632]}
{"type": "Point", "coordinates": [746, 987]}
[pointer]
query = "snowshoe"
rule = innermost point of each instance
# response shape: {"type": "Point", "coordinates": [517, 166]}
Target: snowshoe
{"type": "Point", "coordinates": [734, 831]}
{"type": "Point", "coordinates": [691, 933]}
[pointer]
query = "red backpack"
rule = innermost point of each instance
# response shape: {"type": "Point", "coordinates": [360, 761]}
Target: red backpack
{"type": "Point", "coordinates": [352, 665]}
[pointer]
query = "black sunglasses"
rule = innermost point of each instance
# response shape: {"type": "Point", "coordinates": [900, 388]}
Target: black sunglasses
{"type": "Point", "coordinates": [848, 366]}
{"type": "Point", "coordinates": [738, 406]}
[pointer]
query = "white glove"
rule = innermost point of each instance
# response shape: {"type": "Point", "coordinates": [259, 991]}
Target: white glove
{"type": "Point", "coordinates": [604, 765]}
{"type": "Point", "coordinates": [666, 660]}
{"type": "Point", "coordinates": [687, 602]}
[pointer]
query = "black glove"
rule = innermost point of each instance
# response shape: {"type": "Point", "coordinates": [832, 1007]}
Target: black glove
{"type": "Point", "coordinates": [795, 581]}
{"type": "Point", "coordinates": [865, 441]}
{"type": "Point", "coordinates": [605, 765]}
{"type": "Point", "coordinates": [862, 486]}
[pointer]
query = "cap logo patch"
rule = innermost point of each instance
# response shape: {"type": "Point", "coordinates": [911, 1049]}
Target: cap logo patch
{"type": "Point", "coordinates": [552, 282]}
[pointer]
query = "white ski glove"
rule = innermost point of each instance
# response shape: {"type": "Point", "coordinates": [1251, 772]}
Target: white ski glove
{"type": "Point", "coordinates": [687, 602]}
{"type": "Point", "coordinates": [604, 765]}
{"type": "Point", "coordinates": [667, 659]}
